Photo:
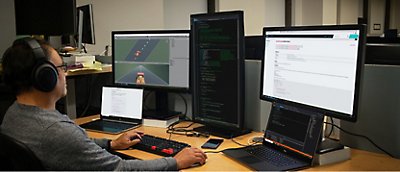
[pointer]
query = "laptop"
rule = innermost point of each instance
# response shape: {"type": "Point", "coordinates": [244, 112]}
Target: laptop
{"type": "Point", "coordinates": [121, 110]}
{"type": "Point", "coordinates": [290, 141]}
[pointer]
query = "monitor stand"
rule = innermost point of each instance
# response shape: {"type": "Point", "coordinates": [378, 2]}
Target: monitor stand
{"type": "Point", "coordinates": [330, 151]}
{"type": "Point", "coordinates": [221, 132]}
{"type": "Point", "coordinates": [161, 110]}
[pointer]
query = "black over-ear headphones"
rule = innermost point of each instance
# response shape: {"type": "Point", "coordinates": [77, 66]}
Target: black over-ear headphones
{"type": "Point", "coordinates": [44, 74]}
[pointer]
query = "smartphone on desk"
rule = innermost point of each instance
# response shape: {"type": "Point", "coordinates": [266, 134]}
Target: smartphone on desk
{"type": "Point", "coordinates": [212, 143]}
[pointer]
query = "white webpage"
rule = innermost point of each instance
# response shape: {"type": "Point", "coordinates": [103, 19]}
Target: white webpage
{"type": "Point", "coordinates": [122, 102]}
{"type": "Point", "coordinates": [316, 68]}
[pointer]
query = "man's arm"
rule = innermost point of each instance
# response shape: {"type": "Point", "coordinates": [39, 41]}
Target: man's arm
{"type": "Point", "coordinates": [71, 149]}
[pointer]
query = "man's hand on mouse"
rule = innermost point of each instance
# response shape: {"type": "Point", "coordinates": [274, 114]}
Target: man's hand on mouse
{"type": "Point", "coordinates": [189, 156]}
{"type": "Point", "coordinates": [126, 140]}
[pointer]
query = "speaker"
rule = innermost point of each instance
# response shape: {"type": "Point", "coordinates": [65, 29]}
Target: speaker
{"type": "Point", "coordinates": [44, 74]}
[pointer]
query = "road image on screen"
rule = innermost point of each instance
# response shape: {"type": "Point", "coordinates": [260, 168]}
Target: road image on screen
{"type": "Point", "coordinates": [152, 59]}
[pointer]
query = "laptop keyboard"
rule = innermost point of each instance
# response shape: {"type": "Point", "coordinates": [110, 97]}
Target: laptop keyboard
{"type": "Point", "coordinates": [275, 157]}
{"type": "Point", "coordinates": [112, 124]}
{"type": "Point", "coordinates": [160, 146]}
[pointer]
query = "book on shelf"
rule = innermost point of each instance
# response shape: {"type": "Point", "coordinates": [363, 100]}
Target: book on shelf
{"type": "Point", "coordinates": [163, 123]}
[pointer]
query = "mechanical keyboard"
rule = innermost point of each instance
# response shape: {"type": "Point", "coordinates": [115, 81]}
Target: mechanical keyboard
{"type": "Point", "coordinates": [160, 146]}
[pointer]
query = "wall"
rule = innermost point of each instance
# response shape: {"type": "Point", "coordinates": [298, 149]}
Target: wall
{"type": "Point", "coordinates": [326, 12]}
{"type": "Point", "coordinates": [330, 12]}
{"type": "Point", "coordinates": [122, 15]}
{"type": "Point", "coordinates": [257, 13]}
{"type": "Point", "coordinates": [395, 15]}
{"type": "Point", "coordinates": [349, 11]}
{"type": "Point", "coordinates": [7, 23]}
{"type": "Point", "coordinates": [308, 12]}
{"type": "Point", "coordinates": [376, 12]}
{"type": "Point", "coordinates": [174, 14]}
{"type": "Point", "coordinates": [177, 12]}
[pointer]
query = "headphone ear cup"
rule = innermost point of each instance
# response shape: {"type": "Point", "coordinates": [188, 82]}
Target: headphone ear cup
{"type": "Point", "coordinates": [44, 76]}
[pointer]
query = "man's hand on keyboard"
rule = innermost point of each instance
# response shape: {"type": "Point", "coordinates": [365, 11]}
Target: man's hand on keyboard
{"type": "Point", "coordinates": [189, 156]}
{"type": "Point", "coordinates": [126, 140]}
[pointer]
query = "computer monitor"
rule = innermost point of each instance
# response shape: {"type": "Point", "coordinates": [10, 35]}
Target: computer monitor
{"type": "Point", "coordinates": [156, 60]}
{"type": "Point", "coordinates": [45, 17]}
{"type": "Point", "coordinates": [85, 25]}
{"type": "Point", "coordinates": [314, 67]}
{"type": "Point", "coordinates": [217, 49]}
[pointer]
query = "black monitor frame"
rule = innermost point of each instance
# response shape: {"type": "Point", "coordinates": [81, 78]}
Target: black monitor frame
{"type": "Point", "coordinates": [45, 17]}
{"type": "Point", "coordinates": [217, 127]}
{"type": "Point", "coordinates": [357, 85]}
{"type": "Point", "coordinates": [161, 110]}
{"type": "Point", "coordinates": [86, 33]}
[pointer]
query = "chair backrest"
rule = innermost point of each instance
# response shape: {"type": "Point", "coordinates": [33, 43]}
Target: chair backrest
{"type": "Point", "coordinates": [15, 155]}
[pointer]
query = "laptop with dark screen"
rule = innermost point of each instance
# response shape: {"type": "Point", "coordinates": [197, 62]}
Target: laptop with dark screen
{"type": "Point", "coordinates": [290, 141]}
{"type": "Point", "coordinates": [121, 110]}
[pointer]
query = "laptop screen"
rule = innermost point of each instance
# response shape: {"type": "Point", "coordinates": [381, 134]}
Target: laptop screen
{"type": "Point", "coordinates": [294, 129]}
{"type": "Point", "coordinates": [122, 102]}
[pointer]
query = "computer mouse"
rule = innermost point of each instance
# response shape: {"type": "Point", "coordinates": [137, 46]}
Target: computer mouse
{"type": "Point", "coordinates": [68, 48]}
{"type": "Point", "coordinates": [196, 164]}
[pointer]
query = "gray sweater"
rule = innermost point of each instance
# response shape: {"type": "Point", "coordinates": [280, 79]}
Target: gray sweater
{"type": "Point", "coordinates": [60, 144]}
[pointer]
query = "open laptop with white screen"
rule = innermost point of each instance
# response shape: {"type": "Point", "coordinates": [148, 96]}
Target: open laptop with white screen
{"type": "Point", "coordinates": [121, 110]}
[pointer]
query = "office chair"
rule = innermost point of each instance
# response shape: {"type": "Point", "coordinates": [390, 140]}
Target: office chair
{"type": "Point", "coordinates": [14, 155]}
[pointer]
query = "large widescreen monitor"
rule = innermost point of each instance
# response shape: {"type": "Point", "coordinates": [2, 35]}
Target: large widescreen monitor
{"type": "Point", "coordinates": [217, 49]}
{"type": "Point", "coordinates": [45, 17]}
{"type": "Point", "coordinates": [156, 60]}
{"type": "Point", "coordinates": [314, 67]}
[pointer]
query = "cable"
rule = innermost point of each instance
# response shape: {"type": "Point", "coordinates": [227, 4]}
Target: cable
{"type": "Point", "coordinates": [213, 151]}
{"type": "Point", "coordinates": [84, 47]}
{"type": "Point", "coordinates": [255, 140]}
{"type": "Point", "coordinates": [186, 106]}
{"type": "Point", "coordinates": [184, 131]}
{"type": "Point", "coordinates": [234, 141]}
{"type": "Point", "coordinates": [359, 135]}
{"type": "Point", "coordinates": [330, 132]}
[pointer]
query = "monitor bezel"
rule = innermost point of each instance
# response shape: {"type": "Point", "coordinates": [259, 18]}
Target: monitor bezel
{"type": "Point", "coordinates": [152, 87]}
{"type": "Point", "coordinates": [360, 66]}
{"type": "Point", "coordinates": [45, 17]}
{"type": "Point", "coordinates": [238, 16]}
{"type": "Point", "coordinates": [87, 14]}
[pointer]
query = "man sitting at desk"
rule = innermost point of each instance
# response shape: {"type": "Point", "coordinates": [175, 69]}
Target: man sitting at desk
{"type": "Point", "coordinates": [37, 74]}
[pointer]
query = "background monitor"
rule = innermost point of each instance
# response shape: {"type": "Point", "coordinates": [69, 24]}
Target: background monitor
{"type": "Point", "coordinates": [85, 24]}
{"type": "Point", "coordinates": [217, 49]}
{"type": "Point", "coordinates": [155, 60]}
{"type": "Point", "coordinates": [315, 67]}
{"type": "Point", "coordinates": [45, 17]}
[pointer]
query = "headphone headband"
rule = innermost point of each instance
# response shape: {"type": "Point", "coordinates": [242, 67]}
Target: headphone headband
{"type": "Point", "coordinates": [36, 48]}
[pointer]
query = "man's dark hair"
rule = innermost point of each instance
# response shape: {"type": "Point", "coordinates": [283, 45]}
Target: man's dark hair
{"type": "Point", "coordinates": [18, 62]}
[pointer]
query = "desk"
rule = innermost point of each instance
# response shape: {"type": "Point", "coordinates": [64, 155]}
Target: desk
{"type": "Point", "coordinates": [360, 160]}
{"type": "Point", "coordinates": [70, 98]}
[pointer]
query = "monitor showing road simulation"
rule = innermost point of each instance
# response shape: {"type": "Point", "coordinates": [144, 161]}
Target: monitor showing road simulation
{"type": "Point", "coordinates": [315, 67]}
{"type": "Point", "coordinates": [156, 60]}
{"type": "Point", "coordinates": [151, 59]}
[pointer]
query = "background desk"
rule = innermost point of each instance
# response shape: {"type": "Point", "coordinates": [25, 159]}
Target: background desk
{"type": "Point", "coordinates": [360, 160]}
{"type": "Point", "coordinates": [70, 99]}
